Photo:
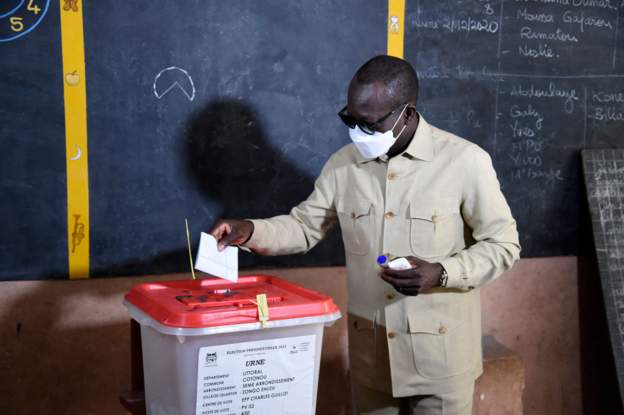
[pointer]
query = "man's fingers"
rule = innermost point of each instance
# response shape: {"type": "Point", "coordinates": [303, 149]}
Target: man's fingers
{"type": "Point", "coordinates": [415, 262]}
{"type": "Point", "coordinates": [228, 239]}
{"type": "Point", "coordinates": [400, 274]}
{"type": "Point", "coordinates": [222, 232]}
{"type": "Point", "coordinates": [387, 278]}
{"type": "Point", "coordinates": [219, 230]}
{"type": "Point", "coordinates": [397, 282]}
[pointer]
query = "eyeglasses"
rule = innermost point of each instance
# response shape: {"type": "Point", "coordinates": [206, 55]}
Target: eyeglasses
{"type": "Point", "coordinates": [366, 127]}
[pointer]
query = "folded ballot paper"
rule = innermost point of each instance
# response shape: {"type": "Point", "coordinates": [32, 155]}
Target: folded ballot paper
{"type": "Point", "coordinates": [222, 264]}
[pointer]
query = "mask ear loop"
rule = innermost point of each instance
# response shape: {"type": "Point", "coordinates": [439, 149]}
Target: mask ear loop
{"type": "Point", "coordinates": [402, 129]}
{"type": "Point", "coordinates": [395, 123]}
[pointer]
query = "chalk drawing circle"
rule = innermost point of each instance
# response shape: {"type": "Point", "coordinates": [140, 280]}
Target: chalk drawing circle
{"type": "Point", "coordinates": [29, 22]}
{"type": "Point", "coordinates": [190, 95]}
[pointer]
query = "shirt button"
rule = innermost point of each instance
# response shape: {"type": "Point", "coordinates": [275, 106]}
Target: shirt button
{"type": "Point", "coordinates": [390, 296]}
{"type": "Point", "coordinates": [442, 330]}
{"type": "Point", "coordinates": [392, 175]}
{"type": "Point", "coordinates": [391, 335]}
{"type": "Point", "coordinates": [389, 215]}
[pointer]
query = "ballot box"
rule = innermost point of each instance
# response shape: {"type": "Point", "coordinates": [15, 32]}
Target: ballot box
{"type": "Point", "coordinates": [212, 346]}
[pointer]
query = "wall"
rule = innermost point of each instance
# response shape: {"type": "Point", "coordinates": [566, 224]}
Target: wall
{"type": "Point", "coordinates": [65, 344]}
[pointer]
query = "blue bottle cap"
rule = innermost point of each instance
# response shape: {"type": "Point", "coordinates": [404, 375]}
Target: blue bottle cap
{"type": "Point", "coordinates": [382, 259]}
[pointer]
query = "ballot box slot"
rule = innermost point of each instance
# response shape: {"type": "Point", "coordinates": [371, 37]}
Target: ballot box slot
{"type": "Point", "coordinates": [225, 298]}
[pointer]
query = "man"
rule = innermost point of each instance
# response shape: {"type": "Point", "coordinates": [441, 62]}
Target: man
{"type": "Point", "coordinates": [408, 189]}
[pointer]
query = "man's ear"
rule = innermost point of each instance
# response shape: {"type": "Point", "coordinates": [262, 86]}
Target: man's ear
{"type": "Point", "coordinates": [410, 113]}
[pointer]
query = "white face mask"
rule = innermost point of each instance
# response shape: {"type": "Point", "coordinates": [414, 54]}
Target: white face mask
{"type": "Point", "coordinates": [374, 145]}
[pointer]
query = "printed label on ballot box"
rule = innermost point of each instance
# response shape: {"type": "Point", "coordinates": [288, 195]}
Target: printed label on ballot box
{"type": "Point", "coordinates": [264, 377]}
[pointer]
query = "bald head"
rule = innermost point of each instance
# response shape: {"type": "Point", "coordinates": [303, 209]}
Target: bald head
{"type": "Point", "coordinates": [393, 81]}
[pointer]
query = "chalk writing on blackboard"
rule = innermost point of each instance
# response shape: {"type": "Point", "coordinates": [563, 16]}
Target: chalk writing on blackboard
{"type": "Point", "coordinates": [604, 180]}
{"type": "Point", "coordinates": [18, 18]}
{"type": "Point", "coordinates": [170, 78]}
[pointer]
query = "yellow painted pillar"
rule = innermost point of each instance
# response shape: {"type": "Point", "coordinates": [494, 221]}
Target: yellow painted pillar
{"type": "Point", "coordinates": [76, 144]}
{"type": "Point", "coordinates": [396, 27]}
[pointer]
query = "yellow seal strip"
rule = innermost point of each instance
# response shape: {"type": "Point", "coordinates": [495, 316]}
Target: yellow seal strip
{"type": "Point", "coordinates": [77, 161]}
{"type": "Point", "coordinates": [396, 26]}
{"type": "Point", "coordinates": [263, 308]}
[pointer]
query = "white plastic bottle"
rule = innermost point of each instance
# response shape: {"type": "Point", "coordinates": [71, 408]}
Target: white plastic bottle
{"type": "Point", "coordinates": [394, 263]}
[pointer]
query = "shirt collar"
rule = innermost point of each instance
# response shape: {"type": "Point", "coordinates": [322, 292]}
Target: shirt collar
{"type": "Point", "coordinates": [420, 147]}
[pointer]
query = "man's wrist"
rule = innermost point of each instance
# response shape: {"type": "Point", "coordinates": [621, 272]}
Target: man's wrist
{"type": "Point", "coordinates": [251, 232]}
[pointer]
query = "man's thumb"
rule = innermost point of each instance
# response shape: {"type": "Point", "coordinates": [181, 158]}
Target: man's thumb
{"type": "Point", "coordinates": [415, 262]}
{"type": "Point", "coordinates": [227, 240]}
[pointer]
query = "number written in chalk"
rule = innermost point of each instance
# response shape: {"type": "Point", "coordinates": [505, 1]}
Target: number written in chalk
{"type": "Point", "coordinates": [20, 17]}
{"type": "Point", "coordinates": [33, 7]}
{"type": "Point", "coordinates": [16, 23]}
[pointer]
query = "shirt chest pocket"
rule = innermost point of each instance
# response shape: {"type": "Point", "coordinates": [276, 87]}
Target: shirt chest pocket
{"type": "Point", "coordinates": [435, 227]}
{"type": "Point", "coordinates": [356, 224]}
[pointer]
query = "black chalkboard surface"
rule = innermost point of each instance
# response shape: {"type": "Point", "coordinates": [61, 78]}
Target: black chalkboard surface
{"type": "Point", "coordinates": [532, 82]}
{"type": "Point", "coordinates": [207, 109]}
{"type": "Point", "coordinates": [604, 180]}
{"type": "Point", "coordinates": [249, 143]}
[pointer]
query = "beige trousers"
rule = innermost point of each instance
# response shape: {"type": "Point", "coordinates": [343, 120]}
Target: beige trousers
{"type": "Point", "coordinates": [371, 402]}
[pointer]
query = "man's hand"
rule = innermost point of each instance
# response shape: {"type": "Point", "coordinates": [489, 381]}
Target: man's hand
{"type": "Point", "coordinates": [421, 277]}
{"type": "Point", "coordinates": [232, 232]}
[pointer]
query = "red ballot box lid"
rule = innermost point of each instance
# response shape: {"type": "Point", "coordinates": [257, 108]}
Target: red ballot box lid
{"type": "Point", "coordinates": [215, 302]}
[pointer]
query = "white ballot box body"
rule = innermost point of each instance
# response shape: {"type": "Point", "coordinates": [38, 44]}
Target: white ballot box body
{"type": "Point", "coordinates": [243, 367]}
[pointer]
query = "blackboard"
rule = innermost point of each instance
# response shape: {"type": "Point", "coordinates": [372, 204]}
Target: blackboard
{"type": "Point", "coordinates": [532, 82]}
{"type": "Point", "coordinates": [33, 242]}
{"type": "Point", "coordinates": [604, 181]}
{"type": "Point", "coordinates": [252, 118]}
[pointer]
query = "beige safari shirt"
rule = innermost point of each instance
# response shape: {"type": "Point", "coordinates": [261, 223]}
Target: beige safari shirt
{"type": "Point", "coordinates": [440, 201]}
